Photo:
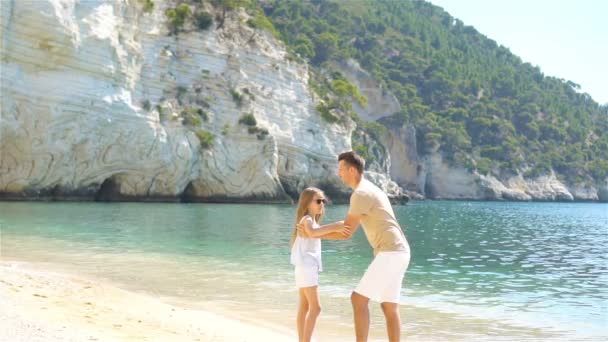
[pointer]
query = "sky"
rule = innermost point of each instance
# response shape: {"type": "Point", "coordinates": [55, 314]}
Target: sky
{"type": "Point", "coordinates": [565, 38]}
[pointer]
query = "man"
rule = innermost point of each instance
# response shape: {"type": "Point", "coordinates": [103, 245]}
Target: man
{"type": "Point", "coordinates": [382, 281]}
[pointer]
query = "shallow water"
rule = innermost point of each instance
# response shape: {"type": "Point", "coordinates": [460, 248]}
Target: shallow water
{"type": "Point", "coordinates": [479, 270]}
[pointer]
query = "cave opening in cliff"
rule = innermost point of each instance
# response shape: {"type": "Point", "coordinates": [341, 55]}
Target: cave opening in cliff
{"type": "Point", "coordinates": [56, 192]}
{"type": "Point", "coordinates": [189, 194]}
{"type": "Point", "coordinates": [108, 191]}
{"type": "Point", "coordinates": [429, 190]}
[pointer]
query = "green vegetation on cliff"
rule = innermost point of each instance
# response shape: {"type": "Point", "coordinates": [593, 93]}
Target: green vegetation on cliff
{"type": "Point", "coordinates": [483, 105]}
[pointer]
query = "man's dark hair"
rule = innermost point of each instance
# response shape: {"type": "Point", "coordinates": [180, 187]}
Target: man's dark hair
{"type": "Point", "coordinates": [353, 159]}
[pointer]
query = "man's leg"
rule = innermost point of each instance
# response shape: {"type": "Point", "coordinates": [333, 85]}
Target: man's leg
{"type": "Point", "coordinates": [393, 321]}
{"type": "Point", "coordinates": [361, 316]}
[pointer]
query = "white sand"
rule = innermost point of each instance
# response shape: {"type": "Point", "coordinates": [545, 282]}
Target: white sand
{"type": "Point", "coordinates": [37, 305]}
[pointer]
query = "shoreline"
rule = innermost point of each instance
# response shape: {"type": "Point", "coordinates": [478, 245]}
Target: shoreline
{"type": "Point", "coordinates": [38, 305]}
{"type": "Point", "coordinates": [8, 198]}
{"type": "Point", "coordinates": [58, 305]}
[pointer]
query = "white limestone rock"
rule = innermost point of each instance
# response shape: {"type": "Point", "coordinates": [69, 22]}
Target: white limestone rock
{"type": "Point", "coordinates": [81, 83]}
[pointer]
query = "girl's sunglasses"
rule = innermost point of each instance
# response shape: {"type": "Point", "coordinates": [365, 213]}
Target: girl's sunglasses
{"type": "Point", "coordinates": [321, 200]}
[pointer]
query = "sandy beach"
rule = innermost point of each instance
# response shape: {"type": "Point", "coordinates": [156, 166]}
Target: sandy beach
{"type": "Point", "coordinates": [37, 305]}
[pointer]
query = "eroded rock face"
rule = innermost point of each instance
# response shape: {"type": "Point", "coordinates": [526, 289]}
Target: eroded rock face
{"type": "Point", "coordinates": [240, 163]}
{"type": "Point", "coordinates": [442, 181]}
{"type": "Point", "coordinates": [380, 102]}
{"type": "Point", "coordinates": [602, 192]}
{"type": "Point", "coordinates": [433, 177]}
{"type": "Point", "coordinates": [584, 193]}
{"type": "Point", "coordinates": [406, 166]}
{"type": "Point", "coordinates": [93, 93]}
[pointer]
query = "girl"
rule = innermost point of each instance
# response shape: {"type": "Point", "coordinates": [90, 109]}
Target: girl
{"type": "Point", "coordinates": [306, 257]}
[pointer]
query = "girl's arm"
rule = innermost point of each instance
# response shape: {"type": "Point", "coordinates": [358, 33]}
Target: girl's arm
{"type": "Point", "coordinates": [336, 227]}
{"type": "Point", "coordinates": [350, 225]}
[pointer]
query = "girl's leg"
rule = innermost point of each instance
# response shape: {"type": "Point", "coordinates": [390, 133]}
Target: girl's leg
{"type": "Point", "coordinates": [302, 311]}
{"type": "Point", "coordinates": [314, 309]}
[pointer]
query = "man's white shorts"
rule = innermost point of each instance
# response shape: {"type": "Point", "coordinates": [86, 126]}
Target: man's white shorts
{"type": "Point", "coordinates": [382, 280]}
{"type": "Point", "coordinates": [306, 276]}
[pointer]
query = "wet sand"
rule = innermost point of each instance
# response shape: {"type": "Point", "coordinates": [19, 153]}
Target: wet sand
{"type": "Point", "coordinates": [39, 305]}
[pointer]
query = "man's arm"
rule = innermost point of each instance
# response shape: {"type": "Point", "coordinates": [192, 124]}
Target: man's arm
{"type": "Point", "coordinates": [352, 221]}
{"type": "Point", "coordinates": [307, 231]}
{"type": "Point", "coordinates": [346, 228]}
{"type": "Point", "coordinates": [335, 236]}
{"type": "Point", "coordinates": [336, 227]}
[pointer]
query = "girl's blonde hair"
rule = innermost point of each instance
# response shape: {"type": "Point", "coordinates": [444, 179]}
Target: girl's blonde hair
{"type": "Point", "coordinates": [305, 198]}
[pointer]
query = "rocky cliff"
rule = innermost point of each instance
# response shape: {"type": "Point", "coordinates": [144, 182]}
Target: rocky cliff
{"type": "Point", "coordinates": [96, 94]}
{"type": "Point", "coordinates": [437, 178]}
{"type": "Point", "coordinates": [101, 100]}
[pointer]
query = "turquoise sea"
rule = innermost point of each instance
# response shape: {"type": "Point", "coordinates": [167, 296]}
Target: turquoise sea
{"type": "Point", "coordinates": [480, 271]}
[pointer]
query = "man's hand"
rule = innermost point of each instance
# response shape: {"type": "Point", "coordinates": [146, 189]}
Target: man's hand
{"type": "Point", "coordinates": [345, 231]}
{"type": "Point", "coordinates": [301, 228]}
